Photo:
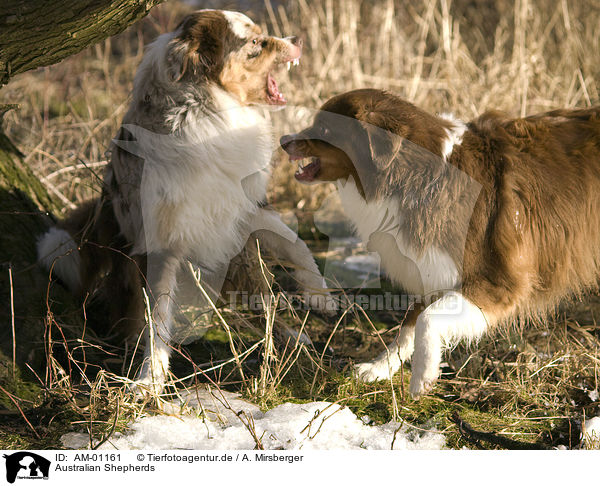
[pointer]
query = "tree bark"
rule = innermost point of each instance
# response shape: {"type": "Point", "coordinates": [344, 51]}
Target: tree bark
{"type": "Point", "coordinates": [36, 33]}
{"type": "Point", "coordinates": [37, 317]}
{"type": "Point", "coordinates": [25, 213]}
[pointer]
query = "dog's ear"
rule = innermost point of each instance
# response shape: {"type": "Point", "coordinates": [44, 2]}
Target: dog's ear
{"type": "Point", "coordinates": [387, 151]}
{"type": "Point", "coordinates": [199, 50]}
{"type": "Point", "coordinates": [383, 142]}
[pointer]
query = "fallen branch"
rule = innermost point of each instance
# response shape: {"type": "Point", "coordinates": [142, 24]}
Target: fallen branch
{"type": "Point", "coordinates": [475, 437]}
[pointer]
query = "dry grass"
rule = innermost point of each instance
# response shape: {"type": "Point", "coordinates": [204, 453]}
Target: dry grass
{"type": "Point", "coordinates": [462, 56]}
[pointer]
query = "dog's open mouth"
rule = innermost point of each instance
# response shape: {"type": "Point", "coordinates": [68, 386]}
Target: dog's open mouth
{"type": "Point", "coordinates": [274, 96]}
{"type": "Point", "coordinates": [308, 172]}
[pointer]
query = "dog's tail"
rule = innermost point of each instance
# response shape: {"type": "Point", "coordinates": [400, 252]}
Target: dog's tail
{"type": "Point", "coordinates": [58, 253]}
{"type": "Point", "coordinates": [89, 255]}
{"type": "Point", "coordinates": [77, 250]}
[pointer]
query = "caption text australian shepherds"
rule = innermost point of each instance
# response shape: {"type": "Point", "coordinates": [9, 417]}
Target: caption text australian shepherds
{"type": "Point", "coordinates": [187, 178]}
{"type": "Point", "coordinates": [499, 216]}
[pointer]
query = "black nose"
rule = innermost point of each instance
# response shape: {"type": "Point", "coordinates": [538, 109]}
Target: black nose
{"type": "Point", "coordinates": [286, 140]}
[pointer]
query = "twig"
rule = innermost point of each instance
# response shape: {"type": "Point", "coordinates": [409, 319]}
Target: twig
{"type": "Point", "coordinates": [12, 322]}
{"type": "Point", "coordinates": [151, 343]}
{"type": "Point", "coordinates": [248, 423]}
{"type": "Point", "coordinates": [21, 411]}
{"type": "Point", "coordinates": [72, 168]}
{"type": "Point", "coordinates": [475, 436]}
{"type": "Point", "coordinates": [317, 414]}
{"type": "Point", "coordinates": [395, 434]}
{"type": "Point", "coordinates": [270, 313]}
{"type": "Point", "coordinates": [221, 365]}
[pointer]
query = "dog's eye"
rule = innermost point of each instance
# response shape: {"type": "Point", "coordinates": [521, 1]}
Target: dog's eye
{"type": "Point", "coordinates": [256, 48]}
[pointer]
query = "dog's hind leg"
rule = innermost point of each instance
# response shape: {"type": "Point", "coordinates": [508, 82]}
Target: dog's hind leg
{"type": "Point", "coordinates": [162, 281]}
{"type": "Point", "coordinates": [389, 361]}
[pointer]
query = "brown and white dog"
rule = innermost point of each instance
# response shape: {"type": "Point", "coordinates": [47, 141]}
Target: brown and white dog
{"type": "Point", "coordinates": [188, 174]}
{"type": "Point", "coordinates": [499, 216]}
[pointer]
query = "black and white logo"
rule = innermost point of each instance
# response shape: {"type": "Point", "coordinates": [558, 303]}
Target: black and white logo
{"type": "Point", "coordinates": [26, 465]}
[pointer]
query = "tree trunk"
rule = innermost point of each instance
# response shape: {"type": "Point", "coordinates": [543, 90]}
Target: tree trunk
{"type": "Point", "coordinates": [25, 213]}
{"type": "Point", "coordinates": [36, 33]}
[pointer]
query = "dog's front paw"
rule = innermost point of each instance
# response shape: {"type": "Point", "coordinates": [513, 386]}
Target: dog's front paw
{"type": "Point", "coordinates": [419, 387]}
{"type": "Point", "coordinates": [372, 371]}
{"type": "Point", "coordinates": [149, 383]}
{"type": "Point", "coordinates": [424, 375]}
{"type": "Point", "coordinates": [146, 388]}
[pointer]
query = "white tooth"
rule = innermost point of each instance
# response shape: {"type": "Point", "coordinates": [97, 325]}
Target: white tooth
{"type": "Point", "coordinates": [289, 65]}
{"type": "Point", "coordinates": [296, 62]}
{"type": "Point", "coordinates": [300, 169]}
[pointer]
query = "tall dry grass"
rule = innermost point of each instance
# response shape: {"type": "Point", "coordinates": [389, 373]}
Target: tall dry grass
{"type": "Point", "coordinates": [461, 56]}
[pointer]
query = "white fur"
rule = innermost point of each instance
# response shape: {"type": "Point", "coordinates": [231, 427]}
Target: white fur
{"type": "Point", "coordinates": [240, 24]}
{"type": "Point", "coordinates": [455, 134]}
{"type": "Point", "coordinates": [155, 368]}
{"type": "Point", "coordinates": [200, 190]}
{"type": "Point", "coordinates": [442, 324]}
{"type": "Point", "coordinates": [153, 66]}
{"type": "Point", "coordinates": [384, 366]}
{"type": "Point", "coordinates": [214, 184]}
{"type": "Point", "coordinates": [432, 270]}
{"type": "Point", "coordinates": [56, 247]}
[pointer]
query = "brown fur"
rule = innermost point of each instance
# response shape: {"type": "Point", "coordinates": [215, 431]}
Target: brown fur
{"type": "Point", "coordinates": [244, 72]}
{"type": "Point", "coordinates": [533, 237]}
{"type": "Point", "coordinates": [209, 51]}
{"type": "Point", "coordinates": [106, 268]}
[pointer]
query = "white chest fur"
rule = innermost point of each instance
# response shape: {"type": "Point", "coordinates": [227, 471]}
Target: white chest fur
{"type": "Point", "coordinates": [416, 271]}
{"type": "Point", "coordinates": [199, 188]}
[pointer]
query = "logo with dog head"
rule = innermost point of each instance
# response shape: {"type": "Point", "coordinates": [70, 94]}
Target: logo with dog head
{"type": "Point", "coordinates": [26, 465]}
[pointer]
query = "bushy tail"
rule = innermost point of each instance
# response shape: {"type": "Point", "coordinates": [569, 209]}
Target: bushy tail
{"type": "Point", "coordinates": [88, 254]}
{"type": "Point", "coordinates": [58, 253]}
{"type": "Point", "coordinates": [78, 250]}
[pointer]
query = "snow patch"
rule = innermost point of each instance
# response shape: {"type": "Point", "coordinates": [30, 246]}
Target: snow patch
{"type": "Point", "coordinates": [591, 432]}
{"type": "Point", "coordinates": [202, 421]}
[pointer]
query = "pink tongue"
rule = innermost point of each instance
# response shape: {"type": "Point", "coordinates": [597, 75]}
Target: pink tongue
{"type": "Point", "coordinates": [273, 90]}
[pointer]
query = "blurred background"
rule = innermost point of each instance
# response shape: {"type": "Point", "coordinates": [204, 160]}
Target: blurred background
{"type": "Point", "coordinates": [447, 56]}
{"type": "Point", "coordinates": [458, 56]}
